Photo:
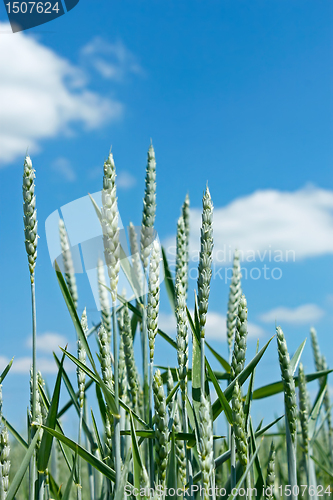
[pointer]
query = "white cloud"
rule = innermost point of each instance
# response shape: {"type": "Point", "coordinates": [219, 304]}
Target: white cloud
{"type": "Point", "coordinates": [215, 327]}
{"type": "Point", "coordinates": [63, 167]}
{"type": "Point", "coordinates": [112, 61]}
{"type": "Point", "coordinates": [45, 365]}
{"type": "Point", "coordinates": [305, 314]}
{"type": "Point", "coordinates": [299, 222]}
{"type": "Point", "coordinates": [125, 180]}
{"type": "Point", "coordinates": [42, 95]}
{"type": "Point", "coordinates": [48, 342]}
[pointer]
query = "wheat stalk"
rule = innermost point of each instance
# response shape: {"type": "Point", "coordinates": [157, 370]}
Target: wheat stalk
{"type": "Point", "coordinates": [4, 462]}
{"type": "Point", "coordinates": [104, 298]}
{"type": "Point", "coordinates": [270, 477]}
{"type": "Point", "coordinates": [31, 239]}
{"type": "Point", "coordinates": [186, 219]}
{"type": "Point", "coordinates": [106, 368]}
{"type": "Point", "coordinates": [205, 446]}
{"type": "Point", "coordinates": [239, 424]}
{"type": "Point", "coordinates": [68, 262]}
{"type": "Point", "coordinates": [179, 445]}
{"type": "Point", "coordinates": [303, 408]}
{"type": "Point", "coordinates": [181, 254]}
{"type": "Point", "coordinates": [290, 406]}
{"type": "Point", "coordinates": [132, 372]}
{"type": "Point", "coordinates": [135, 257]}
{"type": "Point", "coordinates": [149, 209]}
{"type": "Point", "coordinates": [110, 228]}
{"type": "Point", "coordinates": [239, 351]}
{"type": "Point", "coordinates": [146, 240]}
{"type": "Point", "coordinates": [30, 215]}
{"type": "Point", "coordinates": [153, 298]}
{"type": "Point", "coordinates": [205, 272]}
{"type": "Point", "coordinates": [234, 296]}
{"type": "Point", "coordinates": [161, 428]}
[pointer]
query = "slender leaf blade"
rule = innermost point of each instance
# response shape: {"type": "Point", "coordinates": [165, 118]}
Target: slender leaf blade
{"type": "Point", "coordinates": [6, 370]}
{"type": "Point", "coordinates": [224, 403]}
{"type": "Point", "coordinates": [168, 281]}
{"type": "Point", "coordinates": [223, 362]}
{"type": "Point", "coordinates": [88, 457]}
{"type": "Point", "coordinates": [296, 357]}
{"type": "Point", "coordinates": [46, 444]}
{"type": "Point", "coordinates": [16, 481]}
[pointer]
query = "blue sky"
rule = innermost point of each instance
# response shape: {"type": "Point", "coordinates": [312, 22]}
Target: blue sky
{"type": "Point", "coordinates": [235, 93]}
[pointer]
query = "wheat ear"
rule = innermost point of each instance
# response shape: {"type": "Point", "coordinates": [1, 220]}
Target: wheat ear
{"type": "Point", "coordinates": [270, 478]}
{"type": "Point", "coordinates": [239, 351]}
{"type": "Point", "coordinates": [205, 446]}
{"type": "Point", "coordinates": [4, 462]}
{"type": "Point", "coordinates": [132, 372]}
{"type": "Point", "coordinates": [112, 258]}
{"type": "Point", "coordinates": [205, 272]}
{"type": "Point", "coordinates": [179, 445]}
{"type": "Point", "coordinates": [234, 296]}
{"type": "Point", "coordinates": [186, 218]}
{"type": "Point", "coordinates": [149, 208]}
{"type": "Point", "coordinates": [68, 262]}
{"type": "Point", "coordinates": [161, 428]}
{"type": "Point", "coordinates": [239, 424]}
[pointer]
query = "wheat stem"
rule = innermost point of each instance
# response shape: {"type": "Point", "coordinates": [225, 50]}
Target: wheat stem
{"type": "Point", "coordinates": [291, 409]}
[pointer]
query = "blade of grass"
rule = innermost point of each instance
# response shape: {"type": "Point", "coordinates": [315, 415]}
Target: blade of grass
{"type": "Point", "coordinates": [88, 457]}
{"type": "Point", "coordinates": [138, 313]}
{"type": "Point", "coordinates": [296, 357]}
{"type": "Point", "coordinates": [276, 387]}
{"type": "Point", "coordinates": [218, 375]}
{"type": "Point", "coordinates": [223, 362]}
{"type": "Point", "coordinates": [324, 469]}
{"type": "Point", "coordinates": [98, 438]}
{"type": "Point", "coordinates": [46, 444]}
{"type": "Point", "coordinates": [137, 461]}
{"type": "Point", "coordinates": [72, 395]}
{"type": "Point", "coordinates": [172, 470]}
{"type": "Point", "coordinates": [77, 324]}
{"type": "Point", "coordinates": [313, 418]}
{"type": "Point", "coordinates": [243, 477]}
{"type": "Point", "coordinates": [224, 403]}
{"type": "Point", "coordinates": [242, 377]}
{"type": "Point", "coordinates": [70, 481]}
{"type": "Point", "coordinates": [109, 396]}
{"type": "Point", "coordinates": [16, 434]}
{"type": "Point", "coordinates": [263, 430]}
{"type": "Point", "coordinates": [16, 481]}
{"type": "Point", "coordinates": [6, 370]}
{"type": "Point", "coordinates": [168, 281]}
{"type": "Point", "coordinates": [70, 402]}
{"type": "Point", "coordinates": [119, 495]}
